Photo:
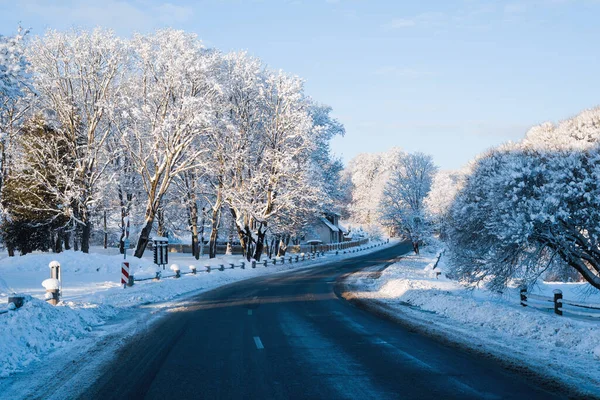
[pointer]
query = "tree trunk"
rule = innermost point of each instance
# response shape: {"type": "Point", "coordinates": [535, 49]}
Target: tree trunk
{"type": "Point", "coordinates": [276, 248]}
{"type": "Point", "coordinates": [260, 244]}
{"type": "Point", "coordinates": [247, 246]}
{"type": "Point", "coordinates": [125, 202]}
{"type": "Point", "coordinates": [58, 245]}
{"type": "Point", "coordinates": [160, 219]}
{"type": "Point", "coordinates": [194, 229]}
{"type": "Point", "coordinates": [67, 239]}
{"type": "Point", "coordinates": [201, 250]}
{"type": "Point", "coordinates": [245, 236]}
{"type": "Point", "coordinates": [212, 247]}
{"type": "Point", "coordinates": [105, 231]}
{"type": "Point", "coordinates": [86, 231]}
{"type": "Point", "coordinates": [76, 236]}
{"type": "Point", "coordinates": [144, 237]}
{"type": "Point", "coordinates": [232, 227]}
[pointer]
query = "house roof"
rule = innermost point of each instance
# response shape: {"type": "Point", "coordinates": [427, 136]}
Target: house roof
{"type": "Point", "coordinates": [329, 224]}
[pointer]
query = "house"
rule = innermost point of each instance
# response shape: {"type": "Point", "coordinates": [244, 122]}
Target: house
{"type": "Point", "coordinates": [327, 229]}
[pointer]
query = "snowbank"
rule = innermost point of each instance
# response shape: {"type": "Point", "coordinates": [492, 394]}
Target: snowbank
{"type": "Point", "coordinates": [37, 328]}
{"type": "Point", "coordinates": [478, 316]}
{"type": "Point", "coordinates": [93, 295]}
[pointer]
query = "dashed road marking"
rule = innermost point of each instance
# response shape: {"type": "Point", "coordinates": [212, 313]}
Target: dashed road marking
{"type": "Point", "coordinates": [258, 343]}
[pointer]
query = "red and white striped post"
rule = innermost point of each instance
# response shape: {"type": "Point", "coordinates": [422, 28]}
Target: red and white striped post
{"type": "Point", "coordinates": [124, 274]}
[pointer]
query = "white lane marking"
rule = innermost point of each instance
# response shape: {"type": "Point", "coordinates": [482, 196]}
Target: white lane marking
{"type": "Point", "coordinates": [258, 343]}
{"type": "Point", "coordinates": [249, 312]}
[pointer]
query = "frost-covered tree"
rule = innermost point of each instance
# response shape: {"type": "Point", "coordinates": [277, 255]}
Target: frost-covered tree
{"type": "Point", "coordinates": [15, 83]}
{"type": "Point", "coordinates": [402, 203]}
{"type": "Point", "coordinates": [77, 77]}
{"type": "Point", "coordinates": [36, 194]}
{"type": "Point", "coordinates": [522, 211]}
{"type": "Point", "coordinates": [579, 132]}
{"type": "Point", "coordinates": [444, 187]}
{"type": "Point", "coordinates": [165, 108]}
{"type": "Point", "coordinates": [368, 174]}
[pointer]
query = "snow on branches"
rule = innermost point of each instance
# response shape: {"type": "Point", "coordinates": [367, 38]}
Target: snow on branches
{"type": "Point", "coordinates": [132, 126]}
{"type": "Point", "coordinates": [529, 207]}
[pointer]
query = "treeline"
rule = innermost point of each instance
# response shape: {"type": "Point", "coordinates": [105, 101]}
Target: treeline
{"type": "Point", "coordinates": [516, 213]}
{"type": "Point", "coordinates": [152, 134]}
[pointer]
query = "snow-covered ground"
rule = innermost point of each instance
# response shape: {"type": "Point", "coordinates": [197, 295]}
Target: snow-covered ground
{"type": "Point", "coordinates": [93, 297]}
{"type": "Point", "coordinates": [558, 347]}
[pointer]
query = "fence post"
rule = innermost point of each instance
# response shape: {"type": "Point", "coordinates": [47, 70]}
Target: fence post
{"type": "Point", "coordinates": [193, 269]}
{"type": "Point", "coordinates": [243, 265]}
{"type": "Point", "coordinates": [253, 263]}
{"type": "Point", "coordinates": [557, 301]}
{"type": "Point", "coordinates": [523, 297]}
{"type": "Point", "coordinates": [265, 262]}
{"type": "Point", "coordinates": [222, 267]}
{"type": "Point", "coordinates": [207, 266]}
{"type": "Point", "coordinates": [232, 265]}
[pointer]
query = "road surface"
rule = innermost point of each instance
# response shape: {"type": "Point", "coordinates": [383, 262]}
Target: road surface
{"type": "Point", "coordinates": [288, 336]}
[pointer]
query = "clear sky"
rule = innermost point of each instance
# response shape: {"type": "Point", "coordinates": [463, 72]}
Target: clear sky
{"type": "Point", "coordinates": [450, 78]}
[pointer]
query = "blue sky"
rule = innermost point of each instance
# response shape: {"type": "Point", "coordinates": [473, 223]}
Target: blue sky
{"type": "Point", "coordinates": [450, 78]}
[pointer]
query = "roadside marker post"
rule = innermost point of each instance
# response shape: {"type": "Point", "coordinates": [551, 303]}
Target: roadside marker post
{"type": "Point", "coordinates": [124, 274]}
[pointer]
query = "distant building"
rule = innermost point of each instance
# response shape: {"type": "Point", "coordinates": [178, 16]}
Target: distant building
{"type": "Point", "coordinates": [327, 229]}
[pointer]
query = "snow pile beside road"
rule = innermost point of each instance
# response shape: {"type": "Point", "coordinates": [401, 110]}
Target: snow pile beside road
{"type": "Point", "coordinates": [37, 328]}
{"type": "Point", "coordinates": [92, 295]}
{"type": "Point", "coordinates": [492, 319]}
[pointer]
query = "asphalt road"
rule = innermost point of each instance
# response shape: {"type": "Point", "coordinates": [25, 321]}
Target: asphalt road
{"type": "Point", "coordinates": [288, 336]}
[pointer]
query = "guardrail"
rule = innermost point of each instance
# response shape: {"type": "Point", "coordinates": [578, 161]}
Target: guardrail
{"type": "Point", "coordinates": [557, 304]}
{"type": "Point", "coordinates": [348, 247]}
{"type": "Point", "coordinates": [288, 259]}
{"type": "Point", "coordinates": [236, 249]}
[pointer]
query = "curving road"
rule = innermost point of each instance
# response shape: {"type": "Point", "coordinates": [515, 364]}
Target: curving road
{"type": "Point", "coordinates": [289, 336]}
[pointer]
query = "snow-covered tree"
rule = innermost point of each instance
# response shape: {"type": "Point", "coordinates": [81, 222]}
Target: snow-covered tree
{"type": "Point", "coordinates": [77, 77]}
{"type": "Point", "coordinates": [444, 187]}
{"type": "Point", "coordinates": [163, 112]}
{"type": "Point", "coordinates": [368, 174]}
{"type": "Point", "coordinates": [402, 203]}
{"type": "Point", "coordinates": [579, 132]}
{"type": "Point", "coordinates": [524, 210]}
{"type": "Point", "coordinates": [14, 84]}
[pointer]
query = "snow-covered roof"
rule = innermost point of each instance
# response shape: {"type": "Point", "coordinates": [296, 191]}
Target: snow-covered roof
{"type": "Point", "coordinates": [329, 224]}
